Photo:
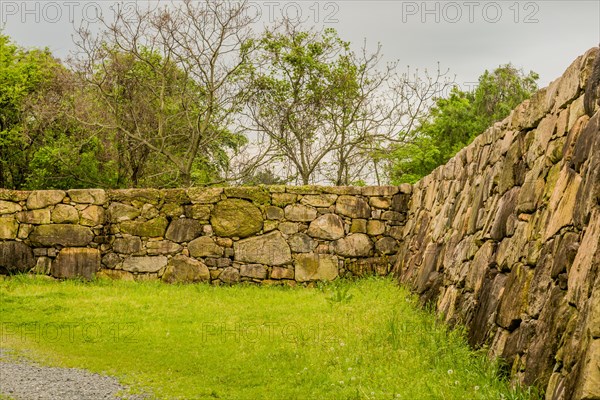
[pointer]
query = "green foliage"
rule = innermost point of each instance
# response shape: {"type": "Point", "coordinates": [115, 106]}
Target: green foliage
{"type": "Point", "coordinates": [305, 91]}
{"type": "Point", "coordinates": [453, 122]}
{"type": "Point", "coordinates": [64, 164]}
{"type": "Point", "coordinates": [340, 292]}
{"type": "Point", "coordinates": [25, 77]}
{"type": "Point", "coordinates": [263, 177]}
{"type": "Point", "coordinates": [124, 122]}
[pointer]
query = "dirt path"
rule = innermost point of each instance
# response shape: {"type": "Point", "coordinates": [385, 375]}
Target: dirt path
{"type": "Point", "coordinates": [21, 379]}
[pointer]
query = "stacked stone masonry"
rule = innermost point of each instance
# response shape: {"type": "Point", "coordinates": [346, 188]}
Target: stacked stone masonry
{"type": "Point", "coordinates": [269, 235]}
{"type": "Point", "coordinates": [505, 238]}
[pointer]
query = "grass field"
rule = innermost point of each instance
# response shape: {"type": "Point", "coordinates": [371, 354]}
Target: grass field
{"type": "Point", "coordinates": [346, 340]}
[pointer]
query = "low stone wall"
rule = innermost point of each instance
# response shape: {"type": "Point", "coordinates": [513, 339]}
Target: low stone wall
{"type": "Point", "coordinates": [505, 238]}
{"type": "Point", "coordinates": [276, 234]}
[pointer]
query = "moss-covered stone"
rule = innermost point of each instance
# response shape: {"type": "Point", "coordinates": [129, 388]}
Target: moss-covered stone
{"type": "Point", "coordinates": [283, 199]}
{"type": "Point", "coordinates": [269, 249]}
{"type": "Point", "coordinates": [259, 195]}
{"type": "Point", "coordinates": [38, 217]}
{"type": "Point", "coordinates": [315, 267]}
{"type": "Point", "coordinates": [306, 189]}
{"type": "Point", "coordinates": [14, 195]}
{"type": "Point", "coordinates": [9, 207]}
{"type": "Point", "coordinates": [236, 218]}
{"type": "Point", "coordinates": [61, 234]}
{"type": "Point", "coordinates": [118, 212]}
{"type": "Point", "coordinates": [203, 195]}
{"type": "Point", "coordinates": [8, 228]}
{"type": "Point", "coordinates": [153, 228]}
{"type": "Point", "coordinates": [16, 257]}
{"type": "Point", "coordinates": [88, 196]}
{"type": "Point", "coordinates": [65, 214]}
{"type": "Point", "coordinates": [353, 207]}
{"type": "Point", "coordinates": [205, 246]}
{"type": "Point", "coordinates": [76, 263]}
{"type": "Point", "coordinates": [44, 198]}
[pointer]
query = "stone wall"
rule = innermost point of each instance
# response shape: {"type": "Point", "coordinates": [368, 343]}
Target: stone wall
{"type": "Point", "coordinates": [505, 238]}
{"type": "Point", "coordinates": [276, 234]}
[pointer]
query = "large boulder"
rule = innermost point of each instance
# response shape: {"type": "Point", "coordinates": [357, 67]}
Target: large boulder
{"type": "Point", "coordinates": [300, 213]}
{"type": "Point", "coordinates": [254, 271]}
{"type": "Point", "coordinates": [301, 243]}
{"type": "Point", "coordinates": [353, 207]}
{"type": "Point", "coordinates": [183, 230]}
{"type": "Point", "coordinates": [258, 195]}
{"type": "Point", "coordinates": [236, 218]}
{"type": "Point", "coordinates": [230, 275]}
{"type": "Point", "coordinates": [328, 227]}
{"type": "Point", "coordinates": [204, 195]}
{"type": "Point", "coordinates": [270, 249]}
{"type": "Point", "coordinates": [59, 234]}
{"type": "Point", "coordinates": [8, 228]}
{"type": "Point", "coordinates": [88, 196]}
{"type": "Point", "coordinates": [315, 267]}
{"type": "Point", "coordinates": [37, 217]}
{"type": "Point", "coordinates": [44, 198]}
{"type": "Point", "coordinates": [319, 200]}
{"type": "Point", "coordinates": [76, 263]}
{"type": "Point", "coordinates": [201, 212]}
{"type": "Point", "coordinates": [65, 214]}
{"type": "Point", "coordinates": [562, 203]}
{"type": "Point", "coordinates": [118, 212]}
{"type": "Point", "coordinates": [182, 269]}
{"type": "Point", "coordinates": [92, 215]}
{"type": "Point", "coordinates": [353, 245]}
{"type": "Point", "coordinates": [8, 207]}
{"type": "Point", "coordinates": [16, 257]}
{"type": "Point", "coordinates": [205, 246]}
{"type": "Point", "coordinates": [127, 245]}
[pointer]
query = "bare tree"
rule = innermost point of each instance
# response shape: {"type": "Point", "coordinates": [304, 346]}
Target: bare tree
{"type": "Point", "coordinates": [327, 110]}
{"type": "Point", "coordinates": [171, 80]}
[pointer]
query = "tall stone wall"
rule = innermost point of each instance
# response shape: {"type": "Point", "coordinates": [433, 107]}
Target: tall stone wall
{"type": "Point", "coordinates": [276, 234]}
{"type": "Point", "coordinates": [505, 238]}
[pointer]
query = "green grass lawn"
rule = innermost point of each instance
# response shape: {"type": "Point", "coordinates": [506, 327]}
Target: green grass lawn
{"type": "Point", "coordinates": [346, 340]}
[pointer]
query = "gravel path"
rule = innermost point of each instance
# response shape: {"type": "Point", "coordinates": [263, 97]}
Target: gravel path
{"type": "Point", "coordinates": [21, 379]}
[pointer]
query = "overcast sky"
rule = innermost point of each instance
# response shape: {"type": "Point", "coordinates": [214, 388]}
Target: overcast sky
{"type": "Point", "coordinates": [466, 37]}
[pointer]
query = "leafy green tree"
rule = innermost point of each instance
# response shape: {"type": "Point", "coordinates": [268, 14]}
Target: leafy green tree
{"type": "Point", "coordinates": [25, 75]}
{"type": "Point", "coordinates": [453, 122]}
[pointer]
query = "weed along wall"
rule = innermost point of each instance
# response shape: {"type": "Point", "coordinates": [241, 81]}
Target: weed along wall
{"type": "Point", "coordinates": [272, 235]}
{"type": "Point", "coordinates": [505, 238]}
